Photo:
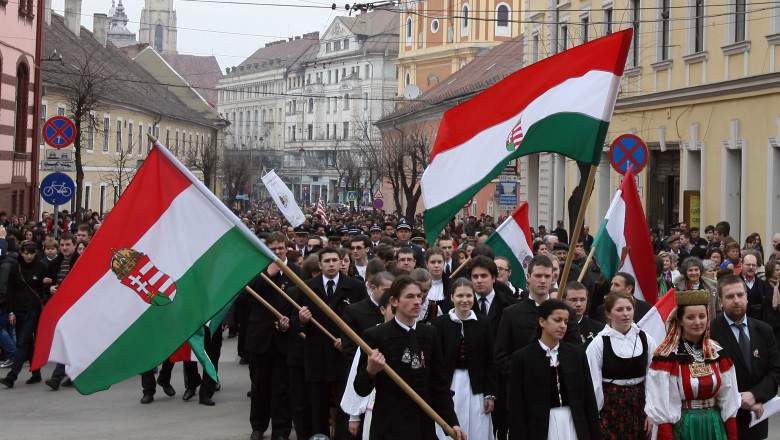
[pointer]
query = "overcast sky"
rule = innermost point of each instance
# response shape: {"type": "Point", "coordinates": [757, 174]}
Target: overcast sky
{"type": "Point", "coordinates": [202, 25]}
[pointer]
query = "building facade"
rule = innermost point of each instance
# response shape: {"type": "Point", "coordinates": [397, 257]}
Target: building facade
{"type": "Point", "coordinates": [702, 88]}
{"type": "Point", "coordinates": [158, 26]}
{"type": "Point", "coordinates": [20, 53]}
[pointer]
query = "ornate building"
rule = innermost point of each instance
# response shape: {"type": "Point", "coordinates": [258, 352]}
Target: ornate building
{"type": "Point", "coordinates": [118, 34]}
{"type": "Point", "coordinates": [158, 26]}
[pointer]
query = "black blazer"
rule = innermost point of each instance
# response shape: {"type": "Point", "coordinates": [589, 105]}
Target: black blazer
{"type": "Point", "coordinates": [530, 393]}
{"type": "Point", "coordinates": [321, 361]}
{"type": "Point", "coordinates": [502, 300]}
{"type": "Point", "coordinates": [764, 374]}
{"type": "Point", "coordinates": [396, 416]}
{"type": "Point", "coordinates": [359, 316]}
{"type": "Point", "coordinates": [760, 301]}
{"type": "Point", "coordinates": [261, 334]}
{"type": "Point", "coordinates": [479, 351]}
{"type": "Point", "coordinates": [589, 328]}
{"type": "Point", "coordinates": [519, 327]}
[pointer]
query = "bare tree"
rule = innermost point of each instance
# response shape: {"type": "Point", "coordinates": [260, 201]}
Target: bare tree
{"type": "Point", "coordinates": [404, 157]}
{"type": "Point", "coordinates": [370, 151]}
{"type": "Point", "coordinates": [206, 160]}
{"type": "Point", "coordinates": [84, 81]}
{"type": "Point", "coordinates": [235, 172]}
{"type": "Point", "coordinates": [123, 170]}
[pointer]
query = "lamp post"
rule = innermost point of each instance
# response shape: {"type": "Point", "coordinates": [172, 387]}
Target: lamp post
{"type": "Point", "coordinates": [300, 181]}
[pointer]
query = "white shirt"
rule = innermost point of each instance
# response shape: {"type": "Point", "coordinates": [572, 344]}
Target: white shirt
{"type": "Point", "coordinates": [436, 293]}
{"type": "Point", "coordinates": [404, 326]}
{"type": "Point", "coordinates": [489, 300]}
{"type": "Point", "coordinates": [325, 283]}
{"type": "Point", "coordinates": [625, 347]}
{"type": "Point", "coordinates": [735, 330]}
{"type": "Point", "coordinates": [361, 270]}
{"type": "Point", "coordinates": [749, 283]}
{"type": "Point", "coordinates": [448, 266]}
{"type": "Point", "coordinates": [552, 353]}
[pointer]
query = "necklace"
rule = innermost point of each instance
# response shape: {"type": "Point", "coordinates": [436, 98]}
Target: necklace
{"type": "Point", "coordinates": [698, 367]}
{"type": "Point", "coordinates": [696, 354]}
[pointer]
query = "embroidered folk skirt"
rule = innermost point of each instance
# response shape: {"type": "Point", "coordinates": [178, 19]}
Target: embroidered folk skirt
{"type": "Point", "coordinates": [700, 424]}
{"type": "Point", "coordinates": [623, 414]}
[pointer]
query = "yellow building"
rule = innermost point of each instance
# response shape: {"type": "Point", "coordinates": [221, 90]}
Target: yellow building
{"type": "Point", "coordinates": [437, 37]}
{"type": "Point", "coordinates": [702, 88]}
{"type": "Point", "coordinates": [131, 104]}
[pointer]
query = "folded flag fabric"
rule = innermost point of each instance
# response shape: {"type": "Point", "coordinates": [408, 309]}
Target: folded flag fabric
{"type": "Point", "coordinates": [195, 347]}
{"type": "Point", "coordinates": [512, 240]}
{"type": "Point", "coordinates": [562, 104]}
{"type": "Point", "coordinates": [168, 257]}
{"type": "Point", "coordinates": [654, 321]}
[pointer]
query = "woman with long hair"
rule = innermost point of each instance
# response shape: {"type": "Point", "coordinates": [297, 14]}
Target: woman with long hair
{"type": "Point", "coordinates": [550, 390]}
{"type": "Point", "coordinates": [618, 357]}
{"type": "Point", "coordinates": [467, 345]}
{"type": "Point", "coordinates": [691, 385]}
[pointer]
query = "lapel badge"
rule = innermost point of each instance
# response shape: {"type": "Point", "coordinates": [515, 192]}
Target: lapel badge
{"type": "Point", "coordinates": [755, 354]}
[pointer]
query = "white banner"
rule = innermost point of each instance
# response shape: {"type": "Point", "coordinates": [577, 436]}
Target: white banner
{"type": "Point", "coordinates": [284, 199]}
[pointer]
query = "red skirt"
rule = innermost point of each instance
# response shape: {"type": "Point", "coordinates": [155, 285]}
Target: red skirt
{"type": "Point", "coordinates": [623, 415]}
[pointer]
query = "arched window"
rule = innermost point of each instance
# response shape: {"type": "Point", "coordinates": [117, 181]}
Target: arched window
{"type": "Point", "coordinates": [502, 20]}
{"type": "Point", "coordinates": [435, 25]}
{"type": "Point", "coordinates": [408, 79]}
{"type": "Point", "coordinates": [158, 38]}
{"type": "Point", "coordinates": [465, 17]}
{"type": "Point", "coordinates": [22, 97]}
{"type": "Point", "coordinates": [409, 30]}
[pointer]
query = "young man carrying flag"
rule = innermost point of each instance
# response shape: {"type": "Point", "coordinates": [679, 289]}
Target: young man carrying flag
{"type": "Point", "coordinates": [561, 104]}
{"type": "Point", "coordinates": [145, 285]}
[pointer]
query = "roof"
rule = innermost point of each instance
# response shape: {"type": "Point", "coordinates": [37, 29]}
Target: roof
{"type": "Point", "coordinates": [282, 53]}
{"type": "Point", "coordinates": [126, 82]}
{"type": "Point", "coordinates": [486, 69]}
{"type": "Point", "coordinates": [202, 72]}
{"type": "Point", "coordinates": [378, 29]}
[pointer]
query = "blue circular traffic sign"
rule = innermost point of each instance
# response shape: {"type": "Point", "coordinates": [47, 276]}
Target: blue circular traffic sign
{"type": "Point", "coordinates": [57, 188]}
{"type": "Point", "coordinates": [628, 150]}
{"type": "Point", "coordinates": [59, 131]}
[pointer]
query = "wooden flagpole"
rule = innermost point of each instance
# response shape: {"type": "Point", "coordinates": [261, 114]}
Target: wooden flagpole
{"type": "Point", "coordinates": [459, 268]}
{"type": "Point", "coordinates": [347, 330]}
{"type": "Point", "coordinates": [577, 229]}
{"type": "Point", "coordinates": [268, 306]}
{"type": "Point", "coordinates": [297, 307]}
{"type": "Point", "coordinates": [587, 263]}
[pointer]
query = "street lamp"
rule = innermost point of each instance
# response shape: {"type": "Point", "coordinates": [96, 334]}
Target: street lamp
{"type": "Point", "coordinates": [300, 182]}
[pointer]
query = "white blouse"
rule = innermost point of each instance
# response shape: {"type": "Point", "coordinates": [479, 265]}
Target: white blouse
{"type": "Point", "coordinates": [625, 346]}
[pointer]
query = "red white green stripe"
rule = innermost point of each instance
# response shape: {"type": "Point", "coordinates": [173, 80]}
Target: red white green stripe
{"type": "Point", "coordinates": [105, 330]}
{"type": "Point", "coordinates": [512, 240]}
{"type": "Point", "coordinates": [654, 321]}
{"type": "Point", "coordinates": [623, 243]}
{"type": "Point", "coordinates": [561, 104]}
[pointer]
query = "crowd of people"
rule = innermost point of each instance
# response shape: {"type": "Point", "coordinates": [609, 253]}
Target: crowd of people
{"type": "Point", "coordinates": [493, 360]}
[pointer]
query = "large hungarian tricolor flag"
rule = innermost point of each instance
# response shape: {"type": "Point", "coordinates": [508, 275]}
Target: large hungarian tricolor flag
{"type": "Point", "coordinates": [512, 240]}
{"type": "Point", "coordinates": [168, 257]}
{"type": "Point", "coordinates": [561, 104]}
{"type": "Point", "coordinates": [654, 321]}
{"type": "Point", "coordinates": [623, 241]}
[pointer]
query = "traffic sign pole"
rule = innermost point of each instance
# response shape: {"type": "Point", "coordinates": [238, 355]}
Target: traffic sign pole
{"type": "Point", "coordinates": [56, 217]}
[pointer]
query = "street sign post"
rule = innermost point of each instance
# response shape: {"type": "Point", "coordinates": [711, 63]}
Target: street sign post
{"type": "Point", "coordinates": [58, 160]}
{"type": "Point", "coordinates": [59, 132]}
{"type": "Point", "coordinates": [378, 203]}
{"type": "Point", "coordinates": [628, 150]}
{"type": "Point", "coordinates": [57, 189]}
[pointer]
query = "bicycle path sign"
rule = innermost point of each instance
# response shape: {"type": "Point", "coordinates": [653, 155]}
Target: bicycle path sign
{"type": "Point", "coordinates": [57, 188]}
{"type": "Point", "coordinates": [628, 150]}
{"type": "Point", "coordinates": [59, 131]}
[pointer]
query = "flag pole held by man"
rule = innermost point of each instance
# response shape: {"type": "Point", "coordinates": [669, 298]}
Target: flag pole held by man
{"type": "Point", "coordinates": [167, 259]}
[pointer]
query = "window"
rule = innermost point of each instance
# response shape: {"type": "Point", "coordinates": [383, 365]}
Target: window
{"type": "Point", "coordinates": [502, 20]}
{"type": "Point", "coordinates": [336, 45]}
{"type": "Point", "coordinates": [176, 142]}
{"type": "Point", "coordinates": [87, 194]}
{"type": "Point", "coordinates": [739, 20]}
{"type": "Point", "coordinates": [327, 47]}
{"type": "Point", "coordinates": [564, 37]}
{"type": "Point", "coordinates": [22, 97]}
{"type": "Point", "coordinates": [60, 111]}
{"type": "Point", "coordinates": [535, 48]}
{"type": "Point", "coordinates": [118, 136]}
{"type": "Point", "coordinates": [102, 199]}
{"type": "Point", "coordinates": [608, 20]}
{"type": "Point", "coordinates": [310, 132]}
{"type": "Point", "coordinates": [140, 138]}
{"type": "Point", "coordinates": [665, 30]}
{"type": "Point", "coordinates": [167, 137]}
{"type": "Point", "coordinates": [464, 19]}
{"type": "Point", "coordinates": [91, 133]}
{"type": "Point", "coordinates": [346, 43]}
{"type": "Point", "coordinates": [365, 100]}
{"type": "Point", "coordinates": [408, 78]}
{"type": "Point", "coordinates": [158, 38]}
{"type": "Point", "coordinates": [367, 71]}
{"type": "Point", "coordinates": [635, 15]}
{"type": "Point", "coordinates": [346, 101]}
{"type": "Point", "coordinates": [698, 26]}
{"type": "Point", "coordinates": [130, 138]}
{"type": "Point", "coordinates": [292, 132]}
{"type": "Point", "coordinates": [311, 105]}
{"type": "Point", "coordinates": [43, 120]}
{"type": "Point", "coordinates": [584, 22]}
{"type": "Point", "coordinates": [409, 30]}
{"type": "Point", "coordinates": [106, 128]}
{"type": "Point", "coordinates": [327, 131]}
{"type": "Point", "coordinates": [435, 25]}
{"type": "Point", "coordinates": [346, 130]}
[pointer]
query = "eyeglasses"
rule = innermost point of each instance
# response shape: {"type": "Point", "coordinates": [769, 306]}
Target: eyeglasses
{"type": "Point", "coordinates": [503, 269]}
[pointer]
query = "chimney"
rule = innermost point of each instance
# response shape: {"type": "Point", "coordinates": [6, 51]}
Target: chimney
{"type": "Point", "coordinates": [73, 16]}
{"type": "Point", "coordinates": [100, 27]}
{"type": "Point", "coordinates": [47, 12]}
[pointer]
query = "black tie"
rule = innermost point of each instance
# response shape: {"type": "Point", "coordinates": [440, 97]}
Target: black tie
{"type": "Point", "coordinates": [330, 285]}
{"type": "Point", "coordinates": [744, 343]}
{"type": "Point", "coordinates": [483, 306]}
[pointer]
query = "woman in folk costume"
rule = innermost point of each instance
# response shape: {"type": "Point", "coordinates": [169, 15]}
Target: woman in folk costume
{"type": "Point", "coordinates": [691, 386]}
{"type": "Point", "coordinates": [550, 389]}
{"type": "Point", "coordinates": [618, 359]}
{"type": "Point", "coordinates": [467, 348]}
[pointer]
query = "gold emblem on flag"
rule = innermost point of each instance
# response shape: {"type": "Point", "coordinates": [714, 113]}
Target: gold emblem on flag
{"type": "Point", "coordinates": [135, 270]}
{"type": "Point", "coordinates": [515, 137]}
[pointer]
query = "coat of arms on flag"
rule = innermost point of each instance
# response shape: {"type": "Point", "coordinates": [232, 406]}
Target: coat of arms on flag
{"type": "Point", "coordinates": [515, 137]}
{"type": "Point", "coordinates": [136, 271]}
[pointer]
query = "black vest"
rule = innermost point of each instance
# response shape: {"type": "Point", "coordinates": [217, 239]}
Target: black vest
{"type": "Point", "coordinates": [618, 368]}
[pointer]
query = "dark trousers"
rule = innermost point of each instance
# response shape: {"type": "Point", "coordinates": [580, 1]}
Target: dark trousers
{"type": "Point", "coordinates": [270, 397]}
{"type": "Point", "coordinates": [148, 383]}
{"type": "Point", "coordinates": [26, 323]}
{"type": "Point", "coordinates": [59, 372]}
{"type": "Point", "coordinates": [299, 400]}
{"type": "Point", "coordinates": [240, 318]}
{"type": "Point", "coordinates": [213, 346]}
{"type": "Point", "coordinates": [499, 414]}
{"type": "Point", "coordinates": [323, 396]}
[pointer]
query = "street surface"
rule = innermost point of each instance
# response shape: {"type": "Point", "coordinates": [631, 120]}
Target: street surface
{"type": "Point", "coordinates": [35, 412]}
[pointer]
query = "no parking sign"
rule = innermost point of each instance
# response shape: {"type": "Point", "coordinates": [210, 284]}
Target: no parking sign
{"type": "Point", "coordinates": [628, 150]}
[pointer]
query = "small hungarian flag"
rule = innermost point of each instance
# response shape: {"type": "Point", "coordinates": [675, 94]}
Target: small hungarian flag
{"type": "Point", "coordinates": [561, 104]}
{"type": "Point", "coordinates": [512, 240]}
{"type": "Point", "coordinates": [623, 242]}
{"type": "Point", "coordinates": [654, 322]}
{"type": "Point", "coordinates": [116, 314]}
{"type": "Point", "coordinates": [322, 212]}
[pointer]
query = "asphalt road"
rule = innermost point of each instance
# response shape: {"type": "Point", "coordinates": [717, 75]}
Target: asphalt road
{"type": "Point", "coordinates": [34, 412]}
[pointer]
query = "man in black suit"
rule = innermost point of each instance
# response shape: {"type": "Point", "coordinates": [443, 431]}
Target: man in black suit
{"type": "Point", "coordinates": [624, 283]}
{"type": "Point", "coordinates": [365, 314]}
{"type": "Point", "coordinates": [576, 297]}
{"type": "Point", "coordinates": [490, 299]}
{"type": "Point", "coordinates": [324, 365]}
{"type": "Point", "coordinates": [759, 292]}
{"type": "Point", "coordinates": [753, 349]}
{"type": "Point", "coordinates": [302, 241]}
{"type": "Point", "coordinates": [265, 344]}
